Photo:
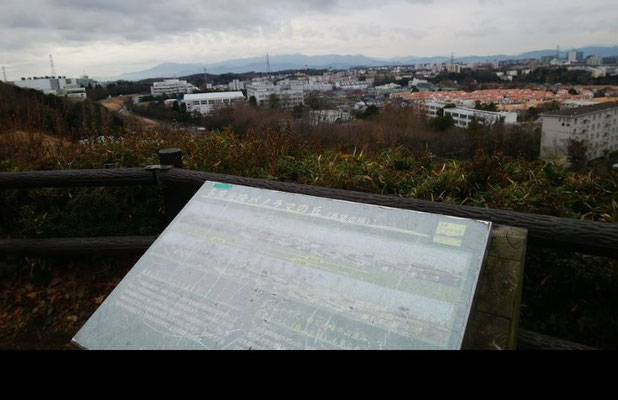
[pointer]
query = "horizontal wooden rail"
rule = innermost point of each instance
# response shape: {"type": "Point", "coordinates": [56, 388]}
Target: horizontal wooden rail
{"type": "Point", "coordinates": [589, 237]}
{"type": "Point", "coordinates": [527, 340]}
{"type": "Point", "coordinates": [77, 178]}
{"type": "Point", "coordinates": [564, 233]}
{"type": "Point", "coordinates": [72, 246]}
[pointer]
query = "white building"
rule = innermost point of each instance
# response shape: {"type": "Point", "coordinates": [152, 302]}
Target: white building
{"type": "Point", "coordinates": [59, 86]}
{"type": "Point", "coordinates": [74, 91]}
{"type": "Point", "coordinates": [236, 85]}
{"type": "Point", "coordinates": [360, 85]}
{"type": "Point", "coordinates": [328, 116]}
{"type": "Point", "coordinates": [575, 56]}
{"type": "Point", "coordinates": [463, 115]}
{"type": "Point", "coordinates": [46, 85]}
{"type": "Point", "coordinates": [170, 87]}
{"type": "Point", "coordinates": [594, 60]}
{"type": "Point", "coordinates": [288, 97]}
{"type": "Point", "coordinates": [205, 103]}
{"type": "Point", "coordinates": [453, 68]}
{"type": "Point", "coordinates": [595, 124]}
{"type": "Point", "coordinates": [415, 82]}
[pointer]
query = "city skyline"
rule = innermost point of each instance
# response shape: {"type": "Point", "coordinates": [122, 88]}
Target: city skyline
{"type": "Point", "coordinates": [105, 38]}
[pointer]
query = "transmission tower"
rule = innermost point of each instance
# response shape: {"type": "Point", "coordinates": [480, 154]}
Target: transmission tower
{"type": "Point", "coordinates": [51, 66]}
{"type": "Point", "coordinates": [4, 73]}
{"type": "Point", "coordinates": [267, 63]}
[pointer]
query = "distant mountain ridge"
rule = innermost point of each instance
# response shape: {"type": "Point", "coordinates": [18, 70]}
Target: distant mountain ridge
{"type": "Point", "coordinates": [299, 61]}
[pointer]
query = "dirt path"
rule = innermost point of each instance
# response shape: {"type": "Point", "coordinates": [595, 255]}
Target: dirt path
{"type": "Point", "coordinates": [116, 104]}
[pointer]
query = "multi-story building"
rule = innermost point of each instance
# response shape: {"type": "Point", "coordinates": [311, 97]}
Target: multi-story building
{"type": "Point", "coordinates": [59, 86]}
{"type": "Point", "coordinates": [463, 116]}
{"type": "Point", "coordinates": [594, 60]}
{"type": "Point", "coordinates": [453, 68]}
{"type": "Point", "coordinates": [205, 103]}
{"type": "Point", "coordinates": [264, 92]}
{"type": "Point", "coordinates": [171, 87]}
{"type": "Point", "coordinates": [575, 56]}
{"type": "Point", "coordinates": [595, 125]}
{"type": "Point", "coordinates": [328, 116]}
{"type": "Point", "coordinates": [74, 91]}
{"type": "Point", "coordinates": [236, 85]}
{"type": "Point", "coordinates": [546, 59]}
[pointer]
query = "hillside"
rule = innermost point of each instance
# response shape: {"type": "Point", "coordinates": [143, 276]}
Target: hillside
{"type": "Point", "coordinates": [299, 61]}
{"type": "Point", "coordinates": [44, 300]}
{"type": "Point", "coordinates": [32, 111]}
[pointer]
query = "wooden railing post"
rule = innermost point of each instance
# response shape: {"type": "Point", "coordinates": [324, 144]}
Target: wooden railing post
{"type": "Point", "coordinates": [171, 157]}
{"type": "Point", "coordinates": [174, 199]}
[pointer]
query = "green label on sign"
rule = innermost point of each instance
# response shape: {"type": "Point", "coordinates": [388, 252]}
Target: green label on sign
{"type": "Point", "coordinates": [223, 186]}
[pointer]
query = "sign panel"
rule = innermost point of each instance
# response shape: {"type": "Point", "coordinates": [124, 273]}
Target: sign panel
{"type": "Point", "coordinates": [247, 268]}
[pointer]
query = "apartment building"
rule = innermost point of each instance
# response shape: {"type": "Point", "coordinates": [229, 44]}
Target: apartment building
{"type": "Point", "coordinates": [595, 124]}
{"type": "Point", "coordinates": [463, 116]}
{"type": "Point", "coordinates": [287, 96]}
{"type": "Point", "coordinates": [236, 85]}
{"type": "Point", "coordinates": [205, 103]}
{"type": "Point", "coordinates": [171, 87]}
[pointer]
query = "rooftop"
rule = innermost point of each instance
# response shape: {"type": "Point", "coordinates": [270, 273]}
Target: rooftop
{"type": "Point", "coordinates": [213, 96]}
{"type": "Point", "coordinates": [573, 112]}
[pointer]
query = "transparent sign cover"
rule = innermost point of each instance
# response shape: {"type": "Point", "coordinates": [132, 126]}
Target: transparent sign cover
{"type": "Point", "coordinates": [247, 268]}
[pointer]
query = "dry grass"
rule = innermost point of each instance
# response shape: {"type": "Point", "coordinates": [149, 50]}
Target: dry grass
{"type": "Point", "coordinates": [15, 141]}
{"type": "Point", "coordinates": [115, 103]}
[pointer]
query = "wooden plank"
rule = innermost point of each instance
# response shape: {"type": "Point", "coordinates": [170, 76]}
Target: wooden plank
{"type": "Point", "coordinates": [67, 246]}
{"type": "Point", "coordinates": [487, 332]}
{"type": "Point", "coordinates": [535, 341]}
{"type": "Point", "coordinates": [494, 320]}
{"type": "Point", "coordinates": [77, 178]}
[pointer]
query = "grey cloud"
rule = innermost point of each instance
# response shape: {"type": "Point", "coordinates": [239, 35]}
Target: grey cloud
{"type": "Point", "coordinates": [148, 20]}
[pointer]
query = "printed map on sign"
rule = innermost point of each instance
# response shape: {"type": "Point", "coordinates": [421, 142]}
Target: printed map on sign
{"type": "Point", "coordinates": [247, 268]}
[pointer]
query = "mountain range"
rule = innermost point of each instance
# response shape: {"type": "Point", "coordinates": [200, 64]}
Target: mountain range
{"type": "Point", "coordinates": [299, 61]}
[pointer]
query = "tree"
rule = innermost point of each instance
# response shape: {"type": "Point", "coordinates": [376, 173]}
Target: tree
{"type": "Point", "coordinates": [297, 111]}
{"type": "Point", "coordinates": [274, 101]}
{"type": "Point", "coordinates": [441, 123]}
{"type": "Point", "coordinates": [577, 154]}
{"type": "Point", "coordinates": [313, 101]}
{"type": "Point", "coordinates": [253, 101]}
{"type": "Point", "coordinates": [486, 107]}
{"type": "Point", "coordinates": [176, 107]}
{"type": "Point", "coordinates": [371, 111]}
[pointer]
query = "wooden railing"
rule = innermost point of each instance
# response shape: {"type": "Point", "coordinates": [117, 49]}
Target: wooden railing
{"type": "Point", "coordinates": [179, 185]}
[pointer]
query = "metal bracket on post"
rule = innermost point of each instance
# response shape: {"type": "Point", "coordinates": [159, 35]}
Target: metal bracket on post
{"type": "Point", "coordinates": [174, 200]}
{"type": "Point", "coordinates": [155, 171]}
{"type": "Point", "coordinates": [168, 159]}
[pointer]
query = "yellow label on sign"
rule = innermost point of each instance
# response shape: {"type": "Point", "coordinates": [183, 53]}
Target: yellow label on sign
{"type": "Point", "coordinates": [447, 240]}
{"type": "Point", "coordinates": [450, 229]}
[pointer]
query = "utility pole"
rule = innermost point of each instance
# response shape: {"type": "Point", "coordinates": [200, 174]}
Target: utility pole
{"type": "Point", "coordinates": [4, 73]}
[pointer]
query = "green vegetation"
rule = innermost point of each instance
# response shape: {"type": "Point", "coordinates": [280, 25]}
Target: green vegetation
{"type": "Point", "coordinates": [157, 110]}
{"type": "Point", "coordinates": [566, 295]}
{"type": "Point", "coordinates": [31, 110]}
{"type": "Point", "coordinates": [118, 89]}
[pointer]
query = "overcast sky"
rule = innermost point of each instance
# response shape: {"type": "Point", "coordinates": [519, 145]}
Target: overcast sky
{"type": "Point", "coordinates": [109, 37]}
